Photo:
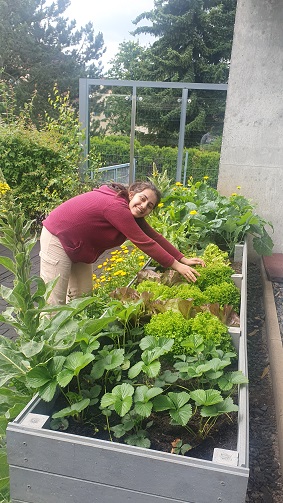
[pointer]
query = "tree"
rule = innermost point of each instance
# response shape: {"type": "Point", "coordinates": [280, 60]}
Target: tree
{"type": "Point", "coordinates": [40, 47]}
{"type": "Point", "coordinates": [193, 44]}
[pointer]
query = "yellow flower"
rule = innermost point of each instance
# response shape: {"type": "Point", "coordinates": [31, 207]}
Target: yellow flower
{"type": "Point", "coordinates": [193, 212]}
{"type": "Point", "coordinates": [238, 187]}
{"type": "Point", "coordinates": [4, 187]}
{"type": "Point", "coordinates": [179, 184]}
{"type": "Point", "coordinates": [206, 177]}
{"type": "Point", "coordinates": [114, 252]}
{"type": "Point", "coordinates": [160, 205]}
{"type": "Point", "coordinates": [234, 194]}
{"type": "Point", "coordinates": [99, 266]}
{"type": "Point", "coordinates": [141, 264]}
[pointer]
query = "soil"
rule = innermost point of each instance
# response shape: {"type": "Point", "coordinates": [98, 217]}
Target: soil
{"type": "Point", "coordinates": [163, 436]}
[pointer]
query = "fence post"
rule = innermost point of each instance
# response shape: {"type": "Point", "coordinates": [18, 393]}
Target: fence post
{"type": "Point", "coordinates": [132, 139]}
{"type": "Point", "coordinates": [182, 134]}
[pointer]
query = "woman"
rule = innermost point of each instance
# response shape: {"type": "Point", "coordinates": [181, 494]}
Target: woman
{"type": "Point", "coordinates": [78, 231]}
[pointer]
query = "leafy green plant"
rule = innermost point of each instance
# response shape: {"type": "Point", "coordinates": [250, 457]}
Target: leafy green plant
{"type": "Point", "coordinates": [42, 164]}
{"type": "Point", "coordinates": [205, 217]}
{"type": "Point", "coordinates": [43, 357]}
{"type": "Point", "coordinates": [144, 359]}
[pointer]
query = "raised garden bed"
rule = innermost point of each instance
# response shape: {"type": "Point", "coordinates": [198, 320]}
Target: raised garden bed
{"type": "Point", "coordinates": [51, 466]}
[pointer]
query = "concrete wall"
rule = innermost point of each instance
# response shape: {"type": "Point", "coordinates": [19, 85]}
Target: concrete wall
{"type": "Point", "coordinates": [252, 149]}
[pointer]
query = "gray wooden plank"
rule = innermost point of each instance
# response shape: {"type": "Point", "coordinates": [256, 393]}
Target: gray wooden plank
{"type": "Point", "coordinates": [127, 467]}
{"type": "Point", "coordinates": [36, 487]}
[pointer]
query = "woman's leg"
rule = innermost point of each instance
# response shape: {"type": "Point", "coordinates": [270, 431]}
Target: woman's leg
{"type": "Point", "coordinates": [80, 282]}
{"type": "Point", "coordinates": [54, 262]}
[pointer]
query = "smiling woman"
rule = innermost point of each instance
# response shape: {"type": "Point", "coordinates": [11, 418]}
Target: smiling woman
{"type": "Point", "coordinates": [78, 231]}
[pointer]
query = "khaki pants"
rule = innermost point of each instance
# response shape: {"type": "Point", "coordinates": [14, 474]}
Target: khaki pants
{"type": "Point", "coordinates": [74, 279]}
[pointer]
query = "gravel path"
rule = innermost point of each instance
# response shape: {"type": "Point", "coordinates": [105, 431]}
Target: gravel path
{"type": "Point", "coordinates": [265, 481]}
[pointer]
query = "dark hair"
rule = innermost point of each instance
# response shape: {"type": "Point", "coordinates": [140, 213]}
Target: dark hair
{"type": "Point", "coordinates": [138, 186]}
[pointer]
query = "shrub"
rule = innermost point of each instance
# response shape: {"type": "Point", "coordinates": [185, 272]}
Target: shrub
{"type": "Point", "coordinates": [41, 165]}
{"type": "Point", "coordinates": [116, 150]}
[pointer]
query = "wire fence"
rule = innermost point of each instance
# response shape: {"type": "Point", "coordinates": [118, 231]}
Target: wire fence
{"type": "Point", "coordinates": [157, 118]}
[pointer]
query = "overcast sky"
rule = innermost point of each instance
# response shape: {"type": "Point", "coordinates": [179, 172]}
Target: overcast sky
{"type": "Point", "coordinates": [113, 18]}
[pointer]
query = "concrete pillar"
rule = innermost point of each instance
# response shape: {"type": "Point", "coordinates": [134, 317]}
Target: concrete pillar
{"type": "Point", "coordinates": [252, 148]}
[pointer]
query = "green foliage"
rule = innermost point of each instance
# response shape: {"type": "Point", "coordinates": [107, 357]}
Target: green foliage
{"type": "Point", "coordinates": [214, 275]}
{"type": "Point", "coordinates": [116, 150]}
{"type": "Point", "coordinates": [211, 329]}
{"type": "Point", "coordinates": [190, 291]}
{"type": "Point", "coordinates": [206, 217]}
{"type": "Point", "coordinates": [40, 46]}
{"type": "Point", "coordinates": [157, 290]}
{"type": "Point", "coordinates": [204, 324]}
{"type": "Point", "coordinates": [213, 255]}
{"type": "Point", "coordinates": [115, 372]}
{"type": "Point", "coordinates": [43, 356]}
{"type": "Point", "coordinates": [42, 166]}
{"type": "Point", "coordinates": [225, 293]}
{"type": "Point", "coordinates": [169, 324]}
{"type": "Point", "coordinates": [193, 44]}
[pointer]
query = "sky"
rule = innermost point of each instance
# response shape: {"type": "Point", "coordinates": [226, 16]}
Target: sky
{"type": "Point", "coordinates": [113, 18]}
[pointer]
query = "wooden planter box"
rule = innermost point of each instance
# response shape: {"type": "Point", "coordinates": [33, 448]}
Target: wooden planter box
{"type": "Point", "coordinates": [54, 467]}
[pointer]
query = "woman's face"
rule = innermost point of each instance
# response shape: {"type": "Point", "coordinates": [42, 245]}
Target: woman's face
{"type": "Point", "coordinates": [142, 203]}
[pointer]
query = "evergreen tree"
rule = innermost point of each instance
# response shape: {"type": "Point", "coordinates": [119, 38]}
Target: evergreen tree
{"type": "Point", "coordinates": [193, 44]}
{"type": "Point", "coordinates": [40, 47]}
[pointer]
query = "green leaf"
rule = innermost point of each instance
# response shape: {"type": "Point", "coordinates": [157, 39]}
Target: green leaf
{"type": "Point", "coordinates": [31, 348]}
{"type": "Point", "coordinates": [152, 370]}
{"type": "Point", "coordinates": [138, 440]}
{"type": "Point", "coordinates": [179, 399]}
{"type": "Point", "coordinates": [120, 398]}
{"type": "Point", "coordinates": [95, 326]}
{"type": "Point", "coordinates": [114, 359]}
{"type": "Point", "coordinates": [8, 264]}
{"type": "Point", "coordinates": [48, 391]}
{"type": "Point", "coordinates": [143, 409]}
{"type": "Point", "coordinates": [38, 376]}
{"type": "Point", "coordinates": [72, 410]}
{"type": "Point", "coordinates": [263, 245]}
{"type": "Point", "coordinates": [135, 370]}
{"type": "Point", "coordinates": [162, 402]}
{"type": "Point", "coordinates": [123, 390]}
{"type": "Point", "coordinates": [77, 360]}
{"type": "Point", "coordinates": [223, 407]}
{"type": "Point", "coordinates": [182, 415]}
{"type": "Point", "coordinates": [123, 406]}
{"type": "Point", "coordinates": [206, 397]}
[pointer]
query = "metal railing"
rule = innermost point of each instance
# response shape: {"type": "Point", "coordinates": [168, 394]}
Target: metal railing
{"type": "Point", "coordinates": [119, 173]}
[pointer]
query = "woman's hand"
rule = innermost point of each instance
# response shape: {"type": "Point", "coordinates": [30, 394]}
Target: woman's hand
{"type": "Point", "coordinates": [186, 271]}
{"type": "Point", "coordinates": [193, 261]}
